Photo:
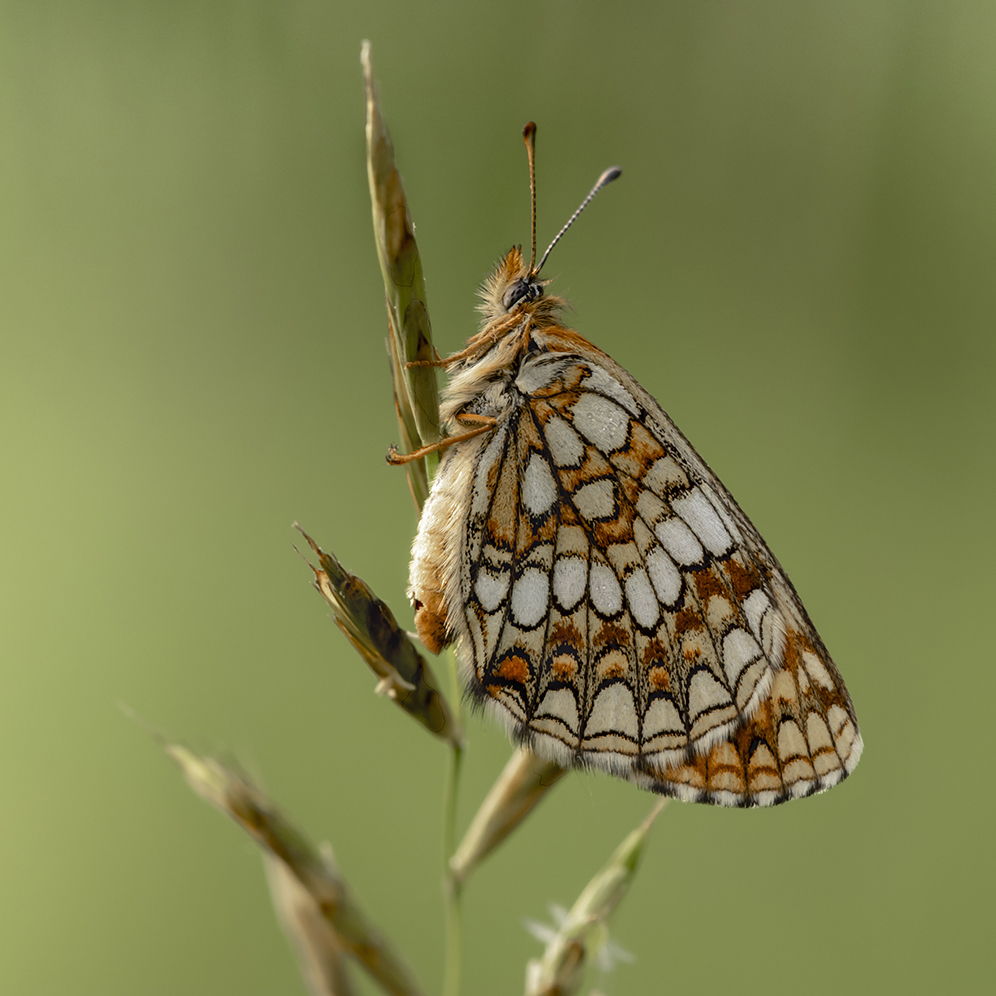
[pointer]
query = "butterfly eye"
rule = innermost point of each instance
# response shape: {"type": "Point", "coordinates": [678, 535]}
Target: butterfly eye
{"type": "Point", "coordinates": [523, 289]}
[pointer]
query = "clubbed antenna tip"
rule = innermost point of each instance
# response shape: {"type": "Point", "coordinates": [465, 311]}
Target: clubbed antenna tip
{"type": "Point", "coordinates": [612, 173]}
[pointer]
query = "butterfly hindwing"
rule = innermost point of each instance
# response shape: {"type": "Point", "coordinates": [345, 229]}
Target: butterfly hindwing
{"type": "Point", "coordinates": [622, 610]}
{"type": "Point", "coordinates": [609, 599]}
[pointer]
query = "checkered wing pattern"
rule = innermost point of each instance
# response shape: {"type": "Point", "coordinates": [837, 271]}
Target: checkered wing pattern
{"type": "Point", "coordinates": [608, 598]}
{"type": "Point", "coordinates": [618, 607]}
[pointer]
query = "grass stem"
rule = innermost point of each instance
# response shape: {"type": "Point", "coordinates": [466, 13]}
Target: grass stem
{"type": "Point", "coordinates": [452, 886]}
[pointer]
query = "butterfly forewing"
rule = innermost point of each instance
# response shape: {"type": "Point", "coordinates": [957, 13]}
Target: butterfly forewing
{"type": "Point", "coordinates": [609, 598]}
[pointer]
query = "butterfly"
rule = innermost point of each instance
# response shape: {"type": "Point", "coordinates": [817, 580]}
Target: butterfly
{"type": "Point", "coordinates": [608, 598]}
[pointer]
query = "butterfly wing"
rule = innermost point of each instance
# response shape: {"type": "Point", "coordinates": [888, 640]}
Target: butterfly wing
{"type": "Point", "coordinates": [621, 611]}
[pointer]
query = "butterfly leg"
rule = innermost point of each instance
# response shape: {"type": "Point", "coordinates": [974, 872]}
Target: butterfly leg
{"type": "Point", "coordinates": [445, 361]}
{"type": "Point", "coordinates": [476, 345]}
{"type": "Point", "coordinates": [486, 424]}
{"type": "Point", "coordinates": [436, 361]}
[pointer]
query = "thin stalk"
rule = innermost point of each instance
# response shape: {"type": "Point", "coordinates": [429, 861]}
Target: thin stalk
{"type": "Point", "coordinates": [452, 886]}
{"type": "Point", "coordinates": [451, 980]}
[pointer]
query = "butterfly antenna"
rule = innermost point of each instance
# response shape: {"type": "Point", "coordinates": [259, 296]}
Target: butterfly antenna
{"type": "Point", "coordinates": [612, 173]}
{"type": "Point", "coordinates": [529, 137]}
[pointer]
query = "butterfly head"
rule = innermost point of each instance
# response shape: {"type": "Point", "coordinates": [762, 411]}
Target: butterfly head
{"type": "Point", "coordinates": [513, 288]}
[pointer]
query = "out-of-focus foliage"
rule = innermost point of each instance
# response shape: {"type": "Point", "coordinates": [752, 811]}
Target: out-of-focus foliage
{"type": "Point", "coordinates": [797, 263]}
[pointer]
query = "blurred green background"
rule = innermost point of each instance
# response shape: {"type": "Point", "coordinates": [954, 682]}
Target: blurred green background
{"type": "Point", "coordinates": [798, 262]}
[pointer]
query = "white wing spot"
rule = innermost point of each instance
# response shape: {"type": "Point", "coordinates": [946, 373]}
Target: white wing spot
{"type": "Point", "coordinates": [739, 650]}
{"type": "Point", "coordinates": [679, 541]}
{"type": "Point", "coordinates": [570, 575]}
{"type": "Point", "coordinates": [723, 512]}
{"type": "Point", "coordinates": [791, 742]}
{"type": "Point", "coordinates": [767, 625]}
{"type": "Point", "coordinates": [603, 382]}
{"type": "Point", "coordinates": [664, 576]}
{"type": "Point", "coordinates": [613, 711]}
{"type": "Point", "coordinates": [601, 421]}
{"type": "Point", "coordinates": [560, 704]}
{"type": "Point", "coordinates": [642, 601]}
{"type": "Point", "coordinates": [565, 444]}
{"type": "Point", "coordinates": [705, 693]}
{"type": "Point", "coordinates": [596, 500]}
{"type": "Point", "coordinates": [529, 597]}
{"type": "Point", "coordinates": [539, 372]}
{"type": "Point", "coordinates": [491, 589]}
{"type": "Point", "coordinates": [817, 734]}
{"type": "Point", "coordinates": [539, 491]}
{"type": "Point", "coordinates": [705, 523]}
{"type": "Point", "coordinates": [662, 717]}
{"type": "Point", "coordinates": [606, 595]}
{"type": "Point", "coordinates": [755, 605]}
